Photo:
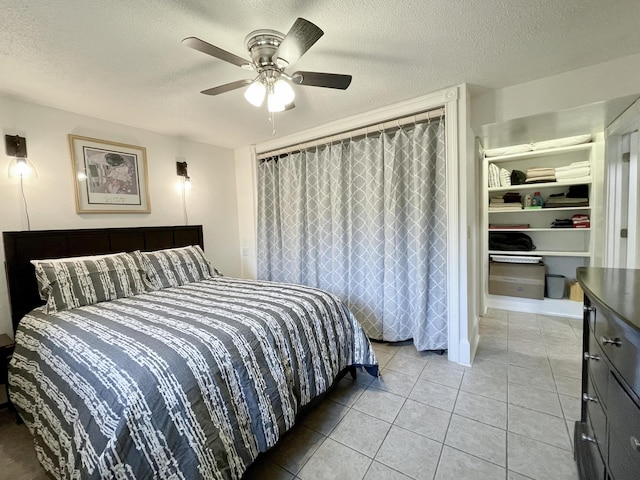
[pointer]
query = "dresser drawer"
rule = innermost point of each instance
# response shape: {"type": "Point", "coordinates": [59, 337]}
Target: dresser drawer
{"type": "Point", "coordinates": [591, 314]}
{"type": "Point", "coordinates": [587, 447]}
{"type": "Point", "coordinates": [596, 417]}
{"type": "Point", "coordinates": [597, 368]}
{"type": "Point", "coordinates": [622, 346]}
{"type": "Point", "coordinates": [624, 440]}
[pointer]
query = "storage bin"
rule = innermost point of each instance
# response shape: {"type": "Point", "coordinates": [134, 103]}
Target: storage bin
{"type": "Point", "coordinates": [517, 280]}
{"type": "Point", "coordinates": [556, 285]}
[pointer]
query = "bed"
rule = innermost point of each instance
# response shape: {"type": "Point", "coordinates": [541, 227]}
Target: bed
{"type": "Point", "coordinates": [192, 375]}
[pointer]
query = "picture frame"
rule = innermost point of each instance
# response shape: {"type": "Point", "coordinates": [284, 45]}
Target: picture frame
{"type": "Point", "coordinates": [109, 177]}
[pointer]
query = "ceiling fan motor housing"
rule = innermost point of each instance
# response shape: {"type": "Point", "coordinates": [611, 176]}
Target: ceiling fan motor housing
{"type": "Point", "coordinates": [262, 46]}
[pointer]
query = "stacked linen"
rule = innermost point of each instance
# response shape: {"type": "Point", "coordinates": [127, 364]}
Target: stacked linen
{"type": "Point", "coordinates": [562, 223]}
{"type": "Point", "coordinates": [580, 220]}
{"type": "Point", "coordinates": [561, 200]}
{"type": "Point", "coordinates": [540, 174]}
{"type": "Point", "coordinates": [574, 173]}
{"type": "Point", "coordinates": [510, 201]}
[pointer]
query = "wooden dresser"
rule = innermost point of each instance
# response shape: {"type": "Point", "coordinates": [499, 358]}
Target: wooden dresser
{"type": "Point", "coordinates": [607, 438]}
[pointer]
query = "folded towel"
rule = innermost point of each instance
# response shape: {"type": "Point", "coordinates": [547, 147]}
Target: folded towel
{"type": "Point", "coordinates": [557, 202]}
{"type": "Point", "coordinates": [548, 178]}
{"type": "Point", "coordinates": [574, 179]}
{"type": "Point", "coordinates": [532, 172]}
{"type": "Point", "coordinates": [573, 173]}
{"type": "Point", "coordinates": [541, 174]}
{"type": "Point", "coordinates": [505, 207]}
{"type": "Point", "coordinates": [574, 165]}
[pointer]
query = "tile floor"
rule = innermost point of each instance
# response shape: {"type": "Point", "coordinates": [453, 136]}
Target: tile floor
{"type": "Point", "coordinates": [510, 416]}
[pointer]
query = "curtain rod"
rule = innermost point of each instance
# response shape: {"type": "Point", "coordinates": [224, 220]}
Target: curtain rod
{"type": "Point", "coordinates": [356, 132]}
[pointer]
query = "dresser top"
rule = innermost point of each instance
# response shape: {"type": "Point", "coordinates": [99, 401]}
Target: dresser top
{"type": "Point", "coordinates": [617, 289]}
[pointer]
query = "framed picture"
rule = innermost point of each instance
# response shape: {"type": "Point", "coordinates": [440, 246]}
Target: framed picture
{"type": "Point", "coordinates": [109, 177]}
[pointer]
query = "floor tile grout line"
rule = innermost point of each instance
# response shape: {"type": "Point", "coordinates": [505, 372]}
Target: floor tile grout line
{"type": "Point", "coordinates": [349, 408]}
{"type": "Point", "coordinates": [475, 456]}
{"type": "Point", "coordinates": [373, 459]}
{"type": "Point", "coordinates": [435, 473]}
{"type": "Point", "coordinates": [559, 401]}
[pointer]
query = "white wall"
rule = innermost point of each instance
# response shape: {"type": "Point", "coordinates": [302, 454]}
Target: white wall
{"type": "Point", "coordinates": [247, 210]}
{"type": "Point", "coordinates": [50, 197]}
{"type": "Point", "coordinates": [595, 83]}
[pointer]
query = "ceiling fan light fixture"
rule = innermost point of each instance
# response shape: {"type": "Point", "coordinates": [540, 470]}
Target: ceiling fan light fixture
{"type": "Point", "coordinates": [275, 104]}
{"type": "Point", "coordinates": [283, 91]}
{"type": "Point", "coordinates": [255, 93]}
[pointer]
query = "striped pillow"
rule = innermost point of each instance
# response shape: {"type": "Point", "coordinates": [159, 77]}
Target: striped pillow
{"type": "Point", "coordinates": [71, 283]}
{"type": "Point", "coordinates": [177, 266]}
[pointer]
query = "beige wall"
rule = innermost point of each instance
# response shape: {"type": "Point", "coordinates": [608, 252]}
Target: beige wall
{"type": "Point", "coordinates": [50, 197]}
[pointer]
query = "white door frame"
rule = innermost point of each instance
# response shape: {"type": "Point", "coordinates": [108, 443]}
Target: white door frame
{"type": "Point", "coordinates": [622, 253]}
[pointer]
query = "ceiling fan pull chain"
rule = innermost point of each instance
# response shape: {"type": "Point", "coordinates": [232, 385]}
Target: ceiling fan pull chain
{"type": "Point", "coordinates": [272, 119]}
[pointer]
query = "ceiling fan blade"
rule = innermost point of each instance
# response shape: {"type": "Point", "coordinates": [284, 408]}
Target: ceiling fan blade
{"type": "Point", "coordinates": [227, 87]}
{"type": "Point", "coordinates": [318, 79]}
{"type": "Point", "coordinates": [301, 36]}
{"type": "Point", "coordinates": [214, 51]}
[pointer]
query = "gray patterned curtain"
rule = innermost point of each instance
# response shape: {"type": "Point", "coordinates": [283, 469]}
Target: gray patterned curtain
{"type": "Point", "coordinates": [366, 220]}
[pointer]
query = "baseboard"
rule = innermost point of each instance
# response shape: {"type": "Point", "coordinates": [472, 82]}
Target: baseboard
{"type": "Point", "coordinates": [548, 306]}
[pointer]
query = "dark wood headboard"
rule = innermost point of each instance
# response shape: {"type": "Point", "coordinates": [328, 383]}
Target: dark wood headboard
{"type": "Point", "coordinates": [22, 247]}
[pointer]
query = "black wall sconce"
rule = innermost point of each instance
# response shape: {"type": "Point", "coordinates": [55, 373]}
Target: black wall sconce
{"type": "Point", "coordinates": [181, 170]}
{"type": "Point", "coordinates": [16, 146]}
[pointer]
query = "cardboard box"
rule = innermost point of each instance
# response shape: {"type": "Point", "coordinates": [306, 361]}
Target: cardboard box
{"type": "Point", "coordinates": [524, 280]}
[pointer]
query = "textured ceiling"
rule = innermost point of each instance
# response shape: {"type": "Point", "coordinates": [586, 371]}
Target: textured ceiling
{"type": "Point", "coordinates": [121, 60]}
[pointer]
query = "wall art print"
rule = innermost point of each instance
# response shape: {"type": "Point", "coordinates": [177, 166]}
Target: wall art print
{"type": "Point", "coordinates": [109, 177]}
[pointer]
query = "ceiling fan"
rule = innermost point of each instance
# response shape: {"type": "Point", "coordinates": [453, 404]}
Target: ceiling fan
{"type": "Point", "coordinates": [271, 54]}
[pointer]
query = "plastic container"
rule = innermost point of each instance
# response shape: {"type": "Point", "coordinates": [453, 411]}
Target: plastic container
{"type": "Point", "coordinates": [537, 200]}
{"type": "Point", "coordinates": [556, 285]}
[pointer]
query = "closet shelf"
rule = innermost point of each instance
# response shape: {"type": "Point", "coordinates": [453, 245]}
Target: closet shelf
{"type": "Point", "coordinates": [540, 153]}
{"type": "Point", "coordinates": [560, 209]}
{"type": "Point", "coordinates": [541, 253]}
{"type": "Point", "coordinates": [536, 186]}
{"type": "Point", "coordinates": [554, 230]}
{"type": "Point", "coordinates": [562, 249]}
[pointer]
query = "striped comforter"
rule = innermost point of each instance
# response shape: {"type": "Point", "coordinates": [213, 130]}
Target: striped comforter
{"type": "Point", "coordinates": [180, 383]}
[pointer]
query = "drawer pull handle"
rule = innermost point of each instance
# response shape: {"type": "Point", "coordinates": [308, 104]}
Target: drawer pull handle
{"type": "Point", "coordinates": [587, 398]}
{"type": "Point", "coordinates": [587, 438]}
{"type": "Point", "coordinates": [588, 356]}
{"type": "Point", "coordinates": [611, 341]}
{"type": "Point", "coordinates": [635, 444]}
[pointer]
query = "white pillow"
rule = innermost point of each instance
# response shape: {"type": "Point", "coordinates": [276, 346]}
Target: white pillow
{"type": "Point", "coordinates": [505, 177]}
